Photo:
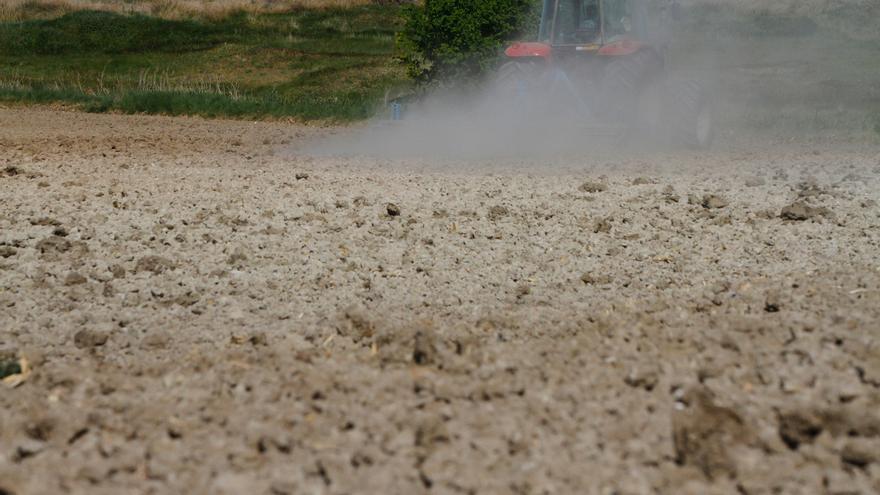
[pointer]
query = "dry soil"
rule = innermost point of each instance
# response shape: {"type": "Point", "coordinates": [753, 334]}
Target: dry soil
{"type": "Point", "coordinates": [207, 309]}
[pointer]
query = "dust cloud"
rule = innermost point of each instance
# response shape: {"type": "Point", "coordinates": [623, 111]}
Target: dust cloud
{"type": "Point", "coordinates": [468, 124]}
{"type": "Point", "coordinates": [778, 71]}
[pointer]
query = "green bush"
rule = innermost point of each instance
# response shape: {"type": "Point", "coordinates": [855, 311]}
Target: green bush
{"type": "Point", "coordinates": [445, 40]}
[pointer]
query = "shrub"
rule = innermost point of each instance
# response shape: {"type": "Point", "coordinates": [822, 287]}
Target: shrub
{"type": "Point", "coordinates": [445, 40]}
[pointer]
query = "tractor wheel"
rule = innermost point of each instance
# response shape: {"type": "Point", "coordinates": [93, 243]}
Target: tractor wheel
{"type": "Point", "coordinates": [689, 115]}
{"type": "Point", "coordinates": [624, 80]}
{"type": "Point", "coordinates": [516, 90]}
{"type": "Point", "coordinates": [518, 76]}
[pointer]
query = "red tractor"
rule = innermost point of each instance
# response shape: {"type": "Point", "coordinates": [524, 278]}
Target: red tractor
{"type": "Point", "coordinates": [601, 63]}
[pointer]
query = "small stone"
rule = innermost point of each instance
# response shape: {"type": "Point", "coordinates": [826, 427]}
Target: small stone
{"type": "Point", "coordinates": [88, 338]}
{"type": "Point", "coordinates": [60, 232]}
{"type": "Point", "coordinates": [593, 187]}
{"type": "Point", "coordinates": [7, 251]}
{"type": "Point", "coordinates": [74, 278]}
{"type": "Point", "coordinates": [301, 176]}
{"type": "Point", "coordinates": [392, 209]}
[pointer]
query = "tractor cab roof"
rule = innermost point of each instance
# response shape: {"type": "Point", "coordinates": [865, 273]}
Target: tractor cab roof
{"type": "Point", "coordinates": [599, 22]}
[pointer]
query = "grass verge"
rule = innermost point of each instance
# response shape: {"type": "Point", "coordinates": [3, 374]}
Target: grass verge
{"type": "Point", "coordinates": [331, 64]}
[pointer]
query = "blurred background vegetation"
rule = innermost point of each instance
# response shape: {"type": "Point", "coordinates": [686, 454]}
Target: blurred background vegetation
{"type": "Point", "coordinates": [796, 66]}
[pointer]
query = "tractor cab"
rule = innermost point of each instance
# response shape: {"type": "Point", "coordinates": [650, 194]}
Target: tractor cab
{"type": "Point", "coordinates": [602, 63]}
{"type": "Point", "coordinates": [592, 24]}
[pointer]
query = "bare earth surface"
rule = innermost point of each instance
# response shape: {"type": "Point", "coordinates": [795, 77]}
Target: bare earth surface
{"type": "Point", "coordinates": [205, 309]}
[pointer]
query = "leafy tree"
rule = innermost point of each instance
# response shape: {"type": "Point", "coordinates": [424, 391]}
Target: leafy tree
{"type": "Point", "coordinates": [446, 40]}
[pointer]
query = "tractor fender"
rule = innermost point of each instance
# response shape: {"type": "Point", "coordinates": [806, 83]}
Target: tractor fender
{"type": "Point", "coordinates": [620, 48]}
{"type": "Point", "coordinates": [528, 50]}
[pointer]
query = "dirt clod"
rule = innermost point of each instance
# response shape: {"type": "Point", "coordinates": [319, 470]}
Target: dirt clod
{"type": "Point", "coordinates": [156, 340]}
{"type": "Point", "coordinates": [12, 171]}
{"type": "Point", "coordinates": [799, 427]}
{"type": "Point", "coordinates": [800, 211]}
{"type": "Point", "coordinates": [45, 221]}
{"type": "Point", "coordinates": [356, 324]}
{"type": "Point", "coordinates": [859, 453]}
{"type": "Point", "coordinates": [498, 212]}
{"type": "Point", "coordinates": [53, 244]}
{"type": "Point", "coordinates": [713, 201]}
{"type": "Point", "coordinates": [593, 187]}
{"type": "Point", "coordinates": [424, 347]}
{"type": "Point", "coordinates": [705, 434]}
{"type": "Point", "coordinates": [590, 278]}
{"type": "Point", "coordinates": [118, 271]}
{"type": "Point", "coordinates": [87, 338]}
{"type": "Point", "coordinates": [645, 377]}
{"type": "Point", "coordinates": [153, 264]}
{"type": "Point", "coordinates": [392, 210]}
{"type": "Point", "coordinates": [773, 302]}
{"type": "Point", "coordinates": [602, 226]}
{"type": "Point", "coordinates": [74, 278]}
{"type": "Point", "coordinates": [7, 251]}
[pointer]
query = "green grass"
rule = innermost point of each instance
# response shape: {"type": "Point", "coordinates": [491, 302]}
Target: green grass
{"type": "Point", "coordinates": [328, 64]}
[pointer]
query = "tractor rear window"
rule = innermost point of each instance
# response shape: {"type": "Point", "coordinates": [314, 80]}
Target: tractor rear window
{"type": "Point", "coordinates": [577, 21]}
{"type": "Point", "coordinates": [618, 18]}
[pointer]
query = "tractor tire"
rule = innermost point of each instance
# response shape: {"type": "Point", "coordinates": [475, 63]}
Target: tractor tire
{"type": "Point", "coordinates": [688, 115]}
{"type": "Point", "coordinates": [517, 76]}
{"type": "Point", "coordinates": [624, 80]}
{"type": "Point", "coordinates": [518, 89]}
